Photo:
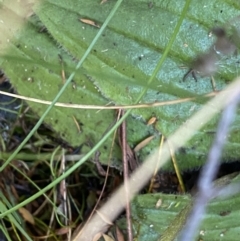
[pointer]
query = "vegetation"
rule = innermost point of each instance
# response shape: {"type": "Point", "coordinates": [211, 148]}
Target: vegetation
{"type": "Point", "coordinates": [104, 88]}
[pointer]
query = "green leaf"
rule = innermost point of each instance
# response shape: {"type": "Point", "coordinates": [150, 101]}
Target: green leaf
{"type": "Point", "coordinates": [161, 217]}
{"type": "Point", "coordinates": [119, 67]}
{"type": "Point", "coordinates": [37, 73]}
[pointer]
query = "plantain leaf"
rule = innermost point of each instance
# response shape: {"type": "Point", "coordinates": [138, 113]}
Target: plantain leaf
{"type": "Point", "coordinates": [161, 217]}
{"type": "Point", "coordinates": [119, 67]}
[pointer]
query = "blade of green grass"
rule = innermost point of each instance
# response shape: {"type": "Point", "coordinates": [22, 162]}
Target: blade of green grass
{"type": "Point", "coordinates": [9, 205]}
{"type": "Point", "coordinates": [5, 232]}
{"type": "Point", "coordinates": [13, 220]}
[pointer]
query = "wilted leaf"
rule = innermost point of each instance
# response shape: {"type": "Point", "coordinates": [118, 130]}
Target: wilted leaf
{"type": "Point", "coordinates": [27, 216]}
{"type": "Point", "coordinates": [90, 22]}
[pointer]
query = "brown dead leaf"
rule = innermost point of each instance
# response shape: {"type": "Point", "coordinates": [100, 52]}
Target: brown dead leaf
{"type": "Point", "coordinates": [89, 22]}
{"type": "Point", "coordinates": [143, 143]}
{"type": "Point", "coordinates": [152, 120]}
{"type": "Point", "coordinates": [119, 234]}
{"type": "Point", "coordinates": [63, 230]}
{"type": "Point", "coordinates": [27, 216]}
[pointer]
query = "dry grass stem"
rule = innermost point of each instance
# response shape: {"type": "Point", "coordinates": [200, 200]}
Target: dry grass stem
{"type": "Point", "coordinates": [113, 107]}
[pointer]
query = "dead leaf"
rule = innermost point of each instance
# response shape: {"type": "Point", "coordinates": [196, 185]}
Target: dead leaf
{"type": "Point", "coordinates": [27, 216]}
{"type": "Point", "coordinates": [159, 203]}
{"type": "Point", "coordinates": [63, 230]}
{"type": "Point", "coordinates": [119, 234]}
{"type": "Point", "coordinates": [152, 120]}
{"type": "Point", "coordinates": [143, 143]}
{"type": "Point", "coordinates": [89, 22]}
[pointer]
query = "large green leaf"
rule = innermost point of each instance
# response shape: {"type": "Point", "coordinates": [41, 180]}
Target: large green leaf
{"type": "Point", "coordinates": [120, 65]}
{"type": "Point", "coordinates": [162, 216]}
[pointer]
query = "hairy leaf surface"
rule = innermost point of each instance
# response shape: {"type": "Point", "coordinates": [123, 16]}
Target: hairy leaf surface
{"type": "Point", "coordinates": [119, 67]}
